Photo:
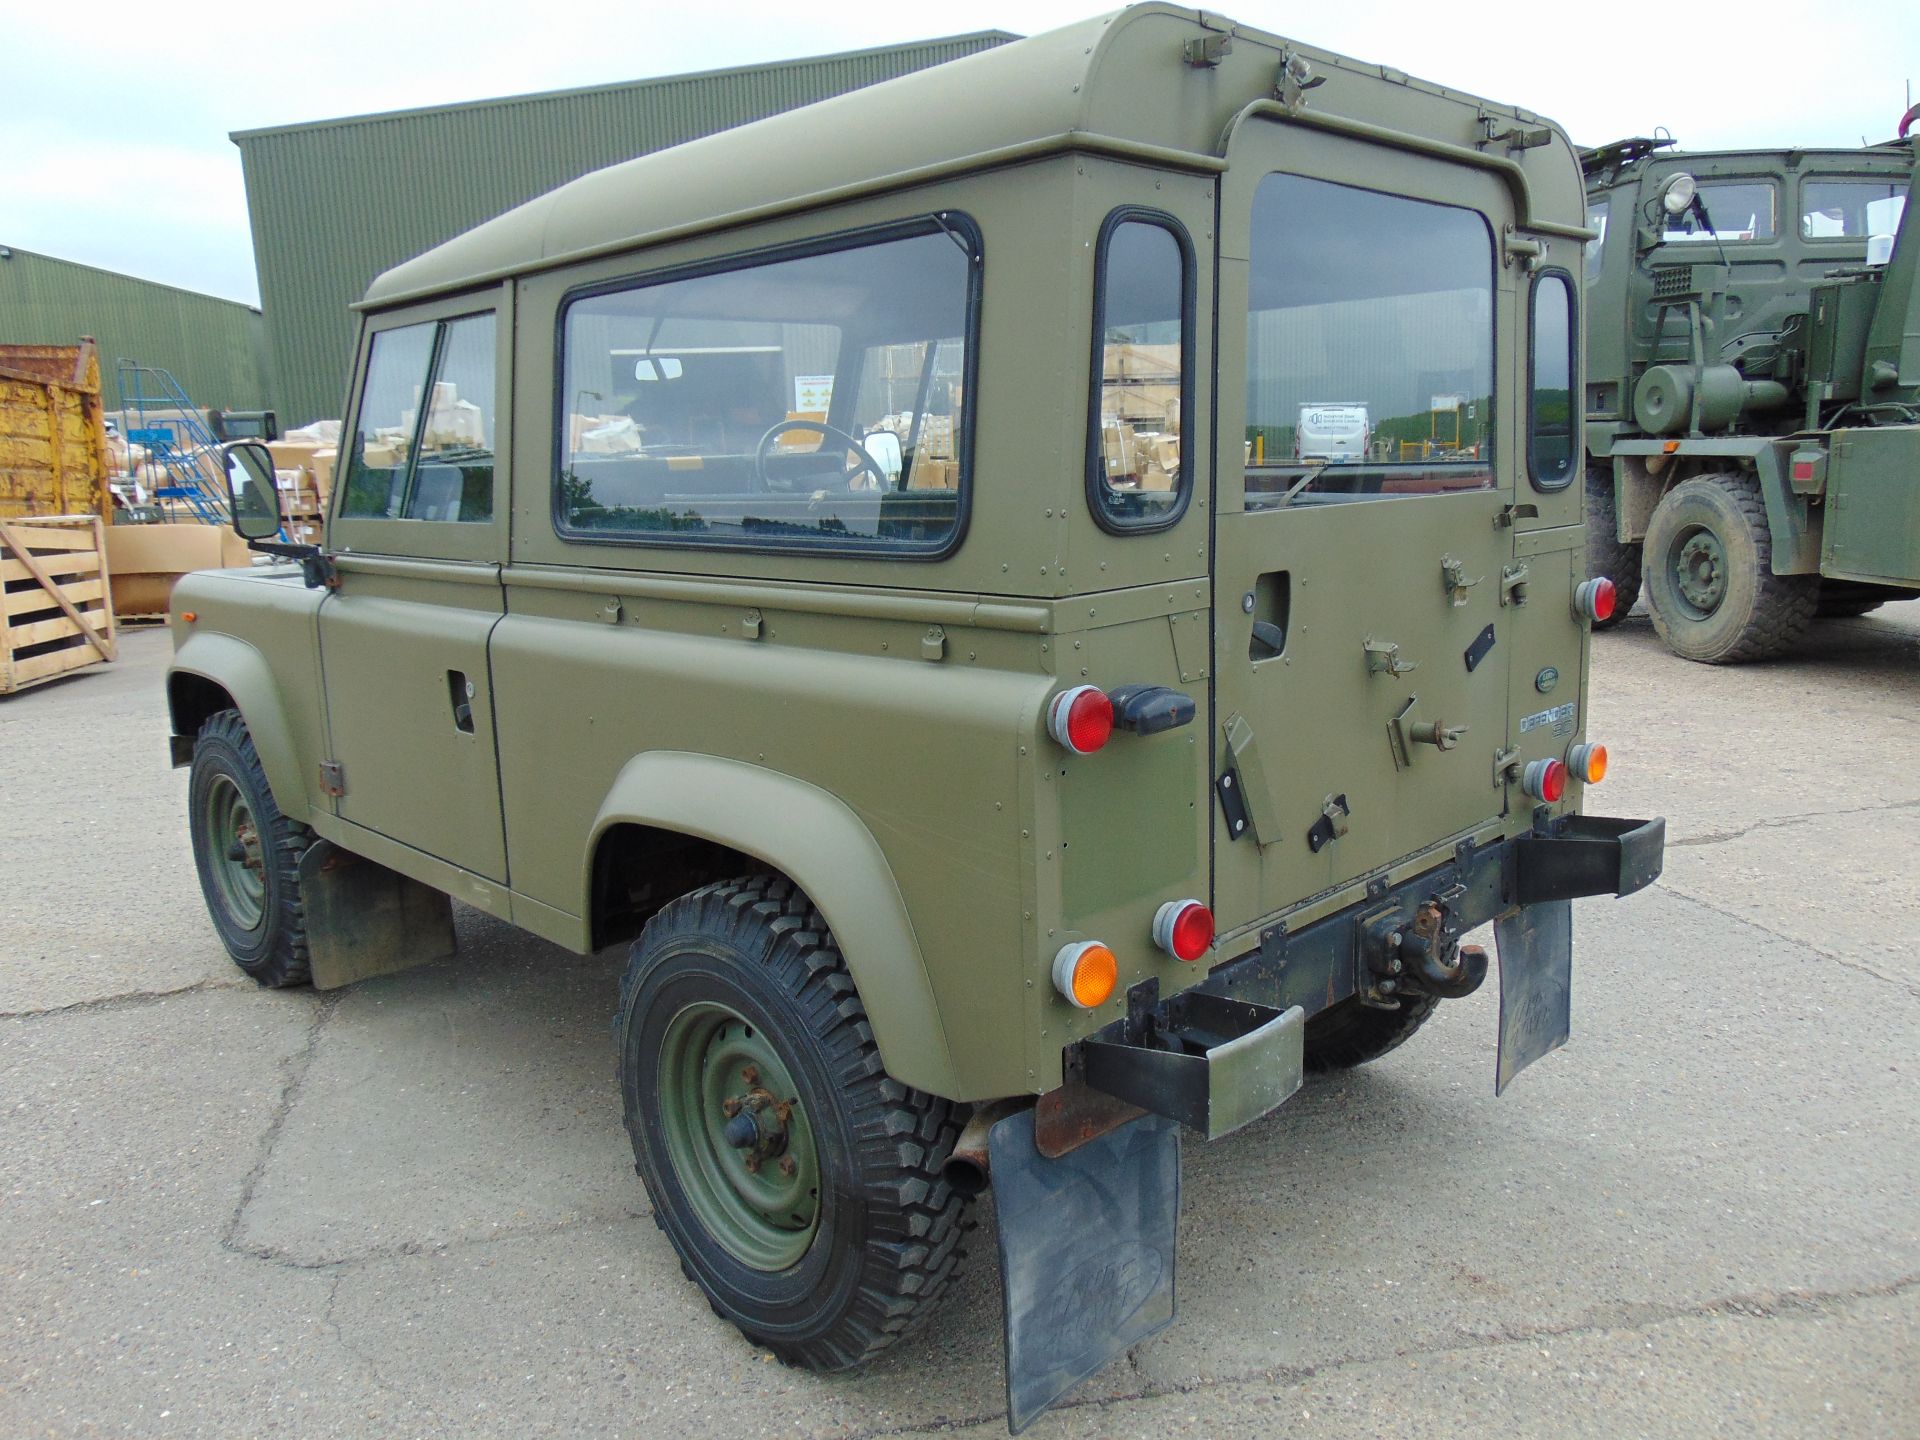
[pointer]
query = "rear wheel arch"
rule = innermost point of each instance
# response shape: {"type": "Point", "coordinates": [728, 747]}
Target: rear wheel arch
{"type": "Point", "coordinates": [741, 812]}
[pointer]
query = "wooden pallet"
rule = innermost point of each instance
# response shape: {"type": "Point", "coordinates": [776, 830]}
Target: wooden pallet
{"type": "Point", "coordinates": [56, 612]}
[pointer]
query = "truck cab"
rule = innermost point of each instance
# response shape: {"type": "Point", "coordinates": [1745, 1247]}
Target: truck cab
{"type": "Point", "coordinates": [860, 562]}
{"type": "Point", "coordinates": [1753, 390]}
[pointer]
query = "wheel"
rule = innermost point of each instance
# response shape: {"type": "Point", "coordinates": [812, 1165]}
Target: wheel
{"type": "Point", "coordinates": [248, 855]}
{"type": "Point", "coordinates": [1350, 1034]}
{"type": "Point", "coordinates": [1709, 576]}
{"type": "Point", "coordinates": [1845, 599]}
{"type": "Point", "coordinates": [799, 1183]}
{"type": "Point", "coordinates": [1619, 561]}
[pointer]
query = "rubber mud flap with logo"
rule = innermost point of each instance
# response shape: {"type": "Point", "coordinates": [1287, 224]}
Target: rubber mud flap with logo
{"type": "Point", "coordinates": [1536, 985]}
{"type": "Point", "coordinates": [1086, 1252]}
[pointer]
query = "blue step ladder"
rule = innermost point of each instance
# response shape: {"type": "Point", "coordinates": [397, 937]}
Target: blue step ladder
{"type": "Point", "coordinates": [180, 447]}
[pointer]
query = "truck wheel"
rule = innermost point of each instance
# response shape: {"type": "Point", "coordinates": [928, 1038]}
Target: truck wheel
{"type": "Point", "coordinates": [1605, 555]}
{"type": "Point", "coordinates": [248, 855]}
{"type": "Point", "coordinates": [799, 1183]}
{"type": "Point", "coordinates": [1710, 582]}
{"type": "Point", "coordinates": [1350, 1034]}
{"type": "Point", "coordinates": [1845, 599]}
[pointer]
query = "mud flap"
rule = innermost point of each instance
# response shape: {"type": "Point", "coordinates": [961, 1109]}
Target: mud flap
{"type": "Point", "coordinates": [1536, 985]}
{"type": "Point", "coordinates": [364, 919]}
{"type": "Point", "coordinates": [1086, 1252]}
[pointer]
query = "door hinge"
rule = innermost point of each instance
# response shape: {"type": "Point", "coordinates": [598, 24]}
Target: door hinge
{"type": "Point", "coordinates": [333, 778]}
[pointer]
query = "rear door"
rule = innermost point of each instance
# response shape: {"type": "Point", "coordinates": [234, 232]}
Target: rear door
{"type": "Point", "coordinates": [1361, 674]}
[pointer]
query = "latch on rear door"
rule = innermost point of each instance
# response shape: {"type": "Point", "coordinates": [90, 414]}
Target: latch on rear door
{"type": "Point", "coordinates": [1403, 734]}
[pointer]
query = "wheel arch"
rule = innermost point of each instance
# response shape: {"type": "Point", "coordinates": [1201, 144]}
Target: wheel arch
{"type": "Point", "coordinates": [815, 840]}
{"type": "Point", "coordinates": [213, 672]}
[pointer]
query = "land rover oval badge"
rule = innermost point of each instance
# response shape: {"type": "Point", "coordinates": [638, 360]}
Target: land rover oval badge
{"type": "Point", "coordinates": [1546, 680]}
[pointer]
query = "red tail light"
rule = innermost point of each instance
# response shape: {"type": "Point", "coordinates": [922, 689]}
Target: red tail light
{"type": "Point", "coordinates": [1545, 780]}
{"type": "Point", "coordinates": [1081, 718]}
{"type": "Point", "coordinates": [1594, 599]}
{"type": "Point", "coordinates": [1184, 929]}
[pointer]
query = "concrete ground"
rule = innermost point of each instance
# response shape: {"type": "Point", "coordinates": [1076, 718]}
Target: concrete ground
{"type": "Point", "coordinates": [409, 1208]}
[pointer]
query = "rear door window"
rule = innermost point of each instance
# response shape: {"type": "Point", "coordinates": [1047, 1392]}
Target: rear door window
{"type": "Point", "coordinates": [1369, 346]}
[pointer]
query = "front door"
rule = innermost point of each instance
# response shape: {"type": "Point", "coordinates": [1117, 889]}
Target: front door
{"type": "Point", "coordinates": [1361, 674]}
{"type": "Point", "coordinates": [418, 538]}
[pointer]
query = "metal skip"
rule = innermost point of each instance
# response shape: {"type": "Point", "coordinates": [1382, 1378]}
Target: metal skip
{"type": "Point", "coordinates": [1536, 985]}
{"type": "Point", "coordinates": [1086, 1252]}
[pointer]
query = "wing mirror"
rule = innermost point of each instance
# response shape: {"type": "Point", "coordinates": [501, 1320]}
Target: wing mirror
{"type": "Point", "coordinates": [253, 500]}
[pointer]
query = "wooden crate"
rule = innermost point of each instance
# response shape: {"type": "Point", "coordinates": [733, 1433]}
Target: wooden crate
{"type": "Point", "coordinates": [56, 610]}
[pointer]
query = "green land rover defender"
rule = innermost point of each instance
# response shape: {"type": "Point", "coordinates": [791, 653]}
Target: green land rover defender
{"type": "Point", "coordinates": [866, 562]}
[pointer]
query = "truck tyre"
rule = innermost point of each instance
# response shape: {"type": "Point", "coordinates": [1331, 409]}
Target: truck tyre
{"type": "Point", "coordinates": [1350, 1034]}
{"type": "Point", "coordinates": [799, 1183]}
{"type": "Point", "coordinates": [248, 855]}
{"type": "Point", "coordinates": [1845, 599]}
{"type": "Point", "coordinates": [1709, 575]}
{"type": "Point", "coordinates": [1605, 555]}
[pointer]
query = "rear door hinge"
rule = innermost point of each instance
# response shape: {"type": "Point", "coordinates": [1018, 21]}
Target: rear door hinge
{"type": "Point", "coordinates": [333, 778]}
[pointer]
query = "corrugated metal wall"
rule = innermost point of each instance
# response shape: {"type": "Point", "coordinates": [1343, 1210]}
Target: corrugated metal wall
{"type": "Point", "coordinates": [215, 348]}
{"type": "Point", "coordinates": [336, 202]}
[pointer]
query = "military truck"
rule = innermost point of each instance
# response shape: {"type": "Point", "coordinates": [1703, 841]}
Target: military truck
{"type": "Point", "coordinates": [993, 766]}
{"type": "Point", "coordinates": [1753, 388]}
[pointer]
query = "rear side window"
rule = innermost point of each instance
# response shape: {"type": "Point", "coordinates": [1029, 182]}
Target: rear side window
{"type": "Point", "coordinates": [1550, 420]}
{"type": "Point", "coordinates": [1369, 346]}
{"type": "Point", "coordinates": [433, 461]}
{"type": "Point", "coordinates": [816, 402]}
{"type": "Point", "coordinates": [1138, 472]}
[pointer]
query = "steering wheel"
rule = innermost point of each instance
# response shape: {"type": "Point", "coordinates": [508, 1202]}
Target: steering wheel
{"type": "Point", "coordinates": [853, 444]}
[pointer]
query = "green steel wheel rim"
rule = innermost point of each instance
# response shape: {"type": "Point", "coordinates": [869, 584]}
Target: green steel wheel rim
{"type": "Point", "coordinates": [238, 865]}
{"type": "Point", "coordinates": [721, 1079]}
{"type": "Point", "coordinates": [1698, 564]}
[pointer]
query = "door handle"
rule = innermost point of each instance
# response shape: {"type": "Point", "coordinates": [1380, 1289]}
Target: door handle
{"type": "Point", "coordinates": [460, 697]}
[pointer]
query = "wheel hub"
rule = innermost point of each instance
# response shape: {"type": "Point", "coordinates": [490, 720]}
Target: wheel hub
{"type": "Point", "coordinates": [738, 1137]}
{"type": "Point", "coordinates": [239, 859]}
{"type": "Point", "coordinates": [1700, 571]}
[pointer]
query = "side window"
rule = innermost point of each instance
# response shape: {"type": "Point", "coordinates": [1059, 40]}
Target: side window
{"type": "Point", "coordinates": [406, 465]}
{"type": "Point", "coordinates": [1550, 418]}
{"type": "Point", "coordinates": [1138, 475]}
{"type": "Point", "coordinates": [1369, 346]}
{"type": "Point", "coordinates": [817, 401]}
{"type": "Point", "coordinates": [1735, 210]}
{"type": "Point", "coordinates": [1850, 209]}
{"type": "Point", "coordinates": [1597, 213]}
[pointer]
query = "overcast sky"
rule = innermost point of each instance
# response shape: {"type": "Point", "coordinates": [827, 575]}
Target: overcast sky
{"type": "Point", "coordinates": [114, 118]}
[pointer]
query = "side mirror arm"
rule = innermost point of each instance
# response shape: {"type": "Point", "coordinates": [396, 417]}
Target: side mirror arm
{"type": "Point", "coordinates": [316, 566]}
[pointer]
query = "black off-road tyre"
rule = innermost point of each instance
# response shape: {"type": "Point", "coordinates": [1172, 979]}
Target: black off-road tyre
{"type": "Point", "coordinates": [1349, 1034]}
{"type": "Point", "coordinates": [252, 894]}
{"type": "Point", "coordinates": [885, 1226]}
{"type": "Point", "coordinates": [1709, 576]}
{"type": "Point", "coordinates": [1847, 599]}
{"type": "Point", "coordinates": [1607, 556]}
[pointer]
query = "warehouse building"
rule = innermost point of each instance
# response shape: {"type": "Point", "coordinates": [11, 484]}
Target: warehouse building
{"type": "Point", "coordinates": [214, 348]}
{"type": "Point", "coordinates": [335, 202]}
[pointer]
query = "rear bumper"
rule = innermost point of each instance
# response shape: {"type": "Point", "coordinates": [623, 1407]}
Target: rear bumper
{"type": "Point", "coordinates": [1231, 1048]}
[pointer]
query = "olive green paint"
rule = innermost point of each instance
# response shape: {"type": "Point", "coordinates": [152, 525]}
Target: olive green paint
{"type": "Point", "coordinates": [790, 707]}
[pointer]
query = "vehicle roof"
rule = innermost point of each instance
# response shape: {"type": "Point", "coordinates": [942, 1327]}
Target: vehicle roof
{"type": "Point", "coordinates": [1116, 82]}
{"type": "Point", "coordinates": [1611, 163]}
